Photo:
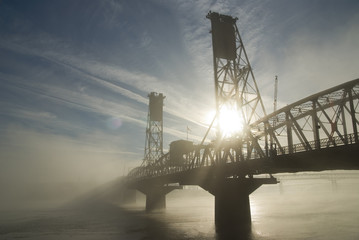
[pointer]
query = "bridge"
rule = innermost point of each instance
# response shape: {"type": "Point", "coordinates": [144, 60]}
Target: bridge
{"type": "Point", "coordinates": [317, 133]}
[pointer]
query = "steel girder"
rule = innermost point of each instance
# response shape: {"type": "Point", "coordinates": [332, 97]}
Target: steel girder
{"type": "Point", "coordinates": [328, 118]}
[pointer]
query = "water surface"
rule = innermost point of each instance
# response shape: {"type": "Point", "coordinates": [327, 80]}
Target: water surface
{"type": "Point", "coordinates": [301, 209]}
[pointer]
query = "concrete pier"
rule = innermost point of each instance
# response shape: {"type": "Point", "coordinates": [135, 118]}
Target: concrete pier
{"type": "Point", "coordinates": [156, 196]}
{"type": "Point", "coordinates": [232, 206]}
{"type": "Point", "coordinates": [232, 209]}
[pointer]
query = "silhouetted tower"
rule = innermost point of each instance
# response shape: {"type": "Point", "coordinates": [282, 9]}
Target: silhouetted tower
{"type": "Point", "coordinates": [235, 86]}
{"type": "Point", "coordinates": [154, 131]}
{"type": "Point", "coordinates": [275, 99]}
{"type": "Point", "coordinates": [274, 121]}
{"type": "Point", "coordinates": [275, 94]}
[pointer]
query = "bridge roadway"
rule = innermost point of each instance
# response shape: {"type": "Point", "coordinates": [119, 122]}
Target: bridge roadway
{"type": "Point", "coordinates": [344, 157]}
{"type": "Point", "coordinates": [231, 189]}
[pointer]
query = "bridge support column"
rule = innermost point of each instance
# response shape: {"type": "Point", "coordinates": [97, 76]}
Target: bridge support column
{"type": "Point", "coordinates": [156, 196]}
{"type": "Point", "coordinates": [232, 207]}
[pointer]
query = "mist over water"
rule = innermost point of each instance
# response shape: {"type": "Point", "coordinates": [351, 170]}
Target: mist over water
{"type": "Point", "coordinates": [307, 209]}
{"type": "Point", "coordinates": [45, 170]}
{"type": "Point", "coordinates": [299, 209]}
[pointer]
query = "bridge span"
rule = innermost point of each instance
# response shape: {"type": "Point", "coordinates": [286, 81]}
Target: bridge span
{"type": "Point", "coordinates": [317, 133]}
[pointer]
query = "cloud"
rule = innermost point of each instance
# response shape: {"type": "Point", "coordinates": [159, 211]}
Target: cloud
{"type": "Point", "coordinates": [72, 99]}
{"type": "Point", "coordinates": [181, 102]}
{"type": "Point", "coordinates": [32, 115]}
{"type": "Point", "coordinates": [109, 77]}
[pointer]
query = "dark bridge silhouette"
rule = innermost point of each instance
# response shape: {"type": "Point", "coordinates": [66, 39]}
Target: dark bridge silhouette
{"type": "Point", "coordinates": [317, 133]}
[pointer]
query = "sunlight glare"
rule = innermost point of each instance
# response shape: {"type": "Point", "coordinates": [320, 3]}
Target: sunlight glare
{"type": "Point", "coordinates": [230, 122]}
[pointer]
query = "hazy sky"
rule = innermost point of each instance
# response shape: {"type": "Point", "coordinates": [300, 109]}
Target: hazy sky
{"type": "Point", "coordinates": [75, 75]}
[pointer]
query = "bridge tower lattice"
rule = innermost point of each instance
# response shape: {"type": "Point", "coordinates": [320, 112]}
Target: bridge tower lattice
{"type": "Point", "coordinates": [235, 86]}
{"type": "Point", "coordinates": [154, 130]}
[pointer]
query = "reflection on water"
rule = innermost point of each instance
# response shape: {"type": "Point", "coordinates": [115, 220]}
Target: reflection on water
{"type": "Point", "coordinates": [304, 210]}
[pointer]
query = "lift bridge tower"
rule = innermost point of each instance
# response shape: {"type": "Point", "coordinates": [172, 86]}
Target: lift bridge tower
{"type": "Point", "coordinates": [237, 97]}
{"type": "Point", "coordinates": [154, 130]}
{"type": "Point", "coordinates": [236, 89]}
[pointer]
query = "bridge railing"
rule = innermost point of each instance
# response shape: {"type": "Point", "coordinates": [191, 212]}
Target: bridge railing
{"type": "Point", "coordinates": [323, 143]}
{"type": "Point", "coordinates": [162, 166]}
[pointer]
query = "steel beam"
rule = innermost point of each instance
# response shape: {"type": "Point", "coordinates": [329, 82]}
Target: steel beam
{"type": "Point", "coordinates": [289, 133]}
{"type": "Point", "coordinates": [315, 125]}
{"type": "Point", "coordinates": [352, 113]}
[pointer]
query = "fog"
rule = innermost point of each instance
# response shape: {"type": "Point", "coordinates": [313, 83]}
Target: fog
{"type": "Point", "coordinates": [47, 170]}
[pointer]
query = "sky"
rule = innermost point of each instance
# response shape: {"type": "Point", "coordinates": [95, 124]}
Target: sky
{"type": "Point", "coordinates": [75, 75]}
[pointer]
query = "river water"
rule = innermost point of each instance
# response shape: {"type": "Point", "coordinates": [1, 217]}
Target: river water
{"type": "Point", "coordinates": [301, 209]}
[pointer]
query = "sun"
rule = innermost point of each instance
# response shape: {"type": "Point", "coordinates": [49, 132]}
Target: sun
{"type": "Point", "coordinates": [230, 122]}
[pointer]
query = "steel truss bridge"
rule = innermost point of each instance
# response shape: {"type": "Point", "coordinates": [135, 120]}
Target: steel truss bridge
{"type": "Point", "coordinates": [317, 133]}
{"type": "Point", "coordinates": [314, 134]}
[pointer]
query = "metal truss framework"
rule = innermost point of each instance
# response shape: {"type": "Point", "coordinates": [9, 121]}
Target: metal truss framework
{"type": "Point", "coordinates": [154, 130]}
{"type": "Point", "coordinates": [328, 118]}
{"type": "Point", "coordinates": [234, 79]}
{"type": "Point", "coordinates": [235, 86]}
{"type": "Point", "coordinates": [324, 120]}
{"type": "Point", "coordinates": [154, 141]}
